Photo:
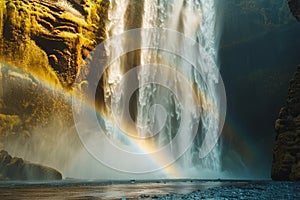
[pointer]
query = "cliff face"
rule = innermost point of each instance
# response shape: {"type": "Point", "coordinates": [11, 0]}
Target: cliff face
{"type": "Point", "coordinates": [286, 153]}
{"type": "Point", "coordinates": [43, 44]}
{"type": "Point", "coordinates": [295, 8]}
{"type": "Point", "coordinates": [50, 38]}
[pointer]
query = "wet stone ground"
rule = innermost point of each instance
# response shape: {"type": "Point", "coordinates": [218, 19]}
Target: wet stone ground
{"type": "Point", "coordinates": [147, 189]}
{"type": "Point", "coordinates": [252, 190]}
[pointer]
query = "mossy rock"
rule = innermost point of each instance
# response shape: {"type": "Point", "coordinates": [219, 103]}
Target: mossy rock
{"type": "Point", "coordinates": [13, 168]}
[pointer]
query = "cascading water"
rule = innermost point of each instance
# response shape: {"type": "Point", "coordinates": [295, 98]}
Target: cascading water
{"type": "Point", "coordinates": [157, 112]}
{"type": "Point", "coordinates": [195, 19]}
{"type": "Point", "coordinates": [162, 106]}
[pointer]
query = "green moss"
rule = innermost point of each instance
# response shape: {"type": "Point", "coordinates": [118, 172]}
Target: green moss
{"type": "Point", "coordinates": [9, 124]}
{"type": "Point", "coordinates": [24, 55]}
{"type": "Point", "coordinates": [2, 14]}
{"type": "Point", "coordinates": [13, 15]}
{"type": "Point", "coordinates": [24, 18]}
{"type": "Point", "coordinates": [28, 22]}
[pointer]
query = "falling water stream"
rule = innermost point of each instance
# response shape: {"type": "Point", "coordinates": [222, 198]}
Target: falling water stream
{"type": "Point", "coordinates": [187, 106]}
{"type": "Point", "coordinates": [196, 20]}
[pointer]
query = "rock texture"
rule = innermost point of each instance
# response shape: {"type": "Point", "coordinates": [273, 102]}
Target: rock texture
{"type": "Point", "coordinates": [286, 158]}
{"type": "Point", "coordinates": [13, 168]}
{"type": "Point", "coordinates": [235, 190]}
{"type": "Point", "coordinates": [294, 7]}
{"type": "Point", "coordinates": [50, 38]}
{"type": "Point", "coordinates": [286, 153]}
{"type": "Point", "coordinates": [43, 44]}
{"type": "Point", "coordinates": [28, 102]}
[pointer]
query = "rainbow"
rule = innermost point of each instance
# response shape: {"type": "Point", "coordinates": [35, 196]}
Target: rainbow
{"type": "Point", "coordinates": [231, 129]}
{"type": "Point", "coordinates": [141, 146]}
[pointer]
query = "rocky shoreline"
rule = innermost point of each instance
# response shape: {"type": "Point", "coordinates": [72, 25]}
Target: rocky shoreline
{"type": "Point", "coordinates": [255, 190]}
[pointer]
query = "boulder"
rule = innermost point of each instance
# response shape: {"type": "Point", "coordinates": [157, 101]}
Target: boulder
{"type": "Point", "coordinates": [13, 168]}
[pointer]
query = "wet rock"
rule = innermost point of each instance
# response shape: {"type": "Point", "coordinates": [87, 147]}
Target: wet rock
{"type": "Point", "coordinates": [144, 196]}
{"type": "Point", "coordinates": [287, 144]}
{"type": "Point", "coordinates": [251, 190]}
{"type": "Point", "coordinates": [17, 169]}
{"type": "Point", "coordinates": [39, 172]}
{"type": "Point", "coordinates": [286, 152]}
{"type": "Point", "coordinates": [294, 7]}
{"type": "Point", "coordinates": [36, 107]}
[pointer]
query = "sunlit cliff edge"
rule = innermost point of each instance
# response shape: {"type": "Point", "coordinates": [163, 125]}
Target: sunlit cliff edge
{"type": "Point", "coordinates": [43, 44]}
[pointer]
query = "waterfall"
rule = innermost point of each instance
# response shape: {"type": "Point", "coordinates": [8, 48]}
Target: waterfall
{"type": "Point", "coordinates": [158, 106]}
{"type": "Point", "coordinates": [196, 19]}
{"type": "Point", "coordinates": [158, 98]}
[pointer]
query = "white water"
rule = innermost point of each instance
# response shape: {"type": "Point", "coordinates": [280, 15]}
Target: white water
{"type": "Point", "coordinates": [195, 19]}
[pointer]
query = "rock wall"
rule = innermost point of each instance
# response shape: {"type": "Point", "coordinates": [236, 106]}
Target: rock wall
{"type": "Point", "coordinates": [43, 44]}
{"type": "Point", "coordinates": [294, 7]}
{"type": "Point", "coordinates": [50, 38]}
{"type": "Point", "coordinates": [286, 153]}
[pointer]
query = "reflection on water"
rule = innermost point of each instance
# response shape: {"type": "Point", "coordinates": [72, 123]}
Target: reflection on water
{"type": "Point", "coordinates": [102, 190]}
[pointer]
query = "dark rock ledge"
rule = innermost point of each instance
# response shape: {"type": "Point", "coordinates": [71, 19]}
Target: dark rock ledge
{"type": "Point", "coordinates": [286, 153]}
{"type": "Point", "coordinates": [13, 168]}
